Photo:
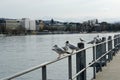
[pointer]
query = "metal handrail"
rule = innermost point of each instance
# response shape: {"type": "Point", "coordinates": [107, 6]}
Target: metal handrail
{"type": "Point", "coordinates": [95, 60]}
{"type": "Point", "coordinates": [90, 64]}
{"type": "Point", "coordinates": [50, 62]}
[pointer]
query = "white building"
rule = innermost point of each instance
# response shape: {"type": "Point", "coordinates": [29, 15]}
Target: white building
{"type": "Point", "coordinates": [25, 23]}
{"type": "Point", "coordinates": [32, 25]}
{"type": "Point", "coordinates": [28, 24]}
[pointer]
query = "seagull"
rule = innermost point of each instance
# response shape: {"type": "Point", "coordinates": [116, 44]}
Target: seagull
{"type": "Point", "coordinates": [82, 40]}
{"type": "Point", "coordinates": [95, 40]}
{"type": "Point", "coordinates": [58, 50]}
{"type": "Point", "coordinates": [72, 47]}
{"type": "Point", "coordinates": [98, 38]}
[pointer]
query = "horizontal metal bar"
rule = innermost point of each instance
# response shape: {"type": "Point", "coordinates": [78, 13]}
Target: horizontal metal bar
{"type": "Point", "coordinates": [47, 63]}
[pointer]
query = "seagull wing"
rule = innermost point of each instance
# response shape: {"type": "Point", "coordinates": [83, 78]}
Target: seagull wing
{"type": "Point", "coordinates": [59, 50]}
{"type": "Point", "coordinates": [65, 48]}
{"type": "Point", "coordinates": [73, 47]}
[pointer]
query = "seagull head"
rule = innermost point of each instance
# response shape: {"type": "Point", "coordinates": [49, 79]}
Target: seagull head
{"type": "Point", "coordinates": [67, 42]}
{"type": "Point", "coordinates": [55, 46]}
{"type": "Point", "coordinates": [98, 36]}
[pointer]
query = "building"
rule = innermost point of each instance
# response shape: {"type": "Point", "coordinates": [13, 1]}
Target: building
{"type": "Point", "coordinates": [25, 23]}
{"type": "Point", "coordinates": [32, 25]}
{"type": "Point", "coordinates": [2, 26]}
{"type": "Point", "coordinates": [12, 24]}
{"type": "Point", "coordinates": [28, 24]}
{"type": "Point", "coordinates": [40, 25]}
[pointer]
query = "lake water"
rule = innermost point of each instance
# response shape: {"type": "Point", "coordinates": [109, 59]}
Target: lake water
{"type": "Point", "coordinates": [22, 52]}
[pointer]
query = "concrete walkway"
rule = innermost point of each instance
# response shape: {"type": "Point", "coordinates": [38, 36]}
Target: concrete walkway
{"type": "Point", "coordinates": [111, 71]}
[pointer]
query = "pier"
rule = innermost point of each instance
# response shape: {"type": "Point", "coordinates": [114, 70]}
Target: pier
{"type": "Point", "coordinates": [104, 63]}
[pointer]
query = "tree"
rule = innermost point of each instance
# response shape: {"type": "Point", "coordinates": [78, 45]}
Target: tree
{"type": "Point", "coordinates": [52, 22]}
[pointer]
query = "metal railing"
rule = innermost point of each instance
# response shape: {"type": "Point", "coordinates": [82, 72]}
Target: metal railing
{"type": "Point", "coordinates": [69, 56]}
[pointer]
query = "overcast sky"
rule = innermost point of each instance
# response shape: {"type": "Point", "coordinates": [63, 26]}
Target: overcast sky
{"type": "Point", "coordinates": [64, 10]}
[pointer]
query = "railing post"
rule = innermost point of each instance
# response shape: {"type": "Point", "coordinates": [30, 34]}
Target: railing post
{"type": "Point", "coordinates": [104, 50]}
{"type": "Point", "coordinates": [81, 62]}
{"type": "Point", "coordinates": [118, 41]}
{"type": "Point", "coordinates": [98, 54]}
{"type": "Point", "coordinates": [70, 67]}
{"type": "Point", "coordinates": [115, 40]}
{"type": "Point", "coordinates": [98, 50]}
{"type": "Point", "coordinates": [44, 74]}
{"type": "Point", "coordinates": [115, 44]}
{"type": "Point", "coordinates": [94, 58]}
{"type": "Point", "coordinates": [110, 56]}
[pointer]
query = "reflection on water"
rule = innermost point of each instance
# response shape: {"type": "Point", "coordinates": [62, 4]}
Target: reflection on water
{"type": "Point", "coordinates": [21, 52]}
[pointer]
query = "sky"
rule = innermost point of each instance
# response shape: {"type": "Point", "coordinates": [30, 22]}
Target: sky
{"type": "Point", "coordinates": [63, 10]}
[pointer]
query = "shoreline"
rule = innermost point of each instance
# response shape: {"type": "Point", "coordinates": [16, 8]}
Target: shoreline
{"type": "Point", "coordinates": [53, 33]}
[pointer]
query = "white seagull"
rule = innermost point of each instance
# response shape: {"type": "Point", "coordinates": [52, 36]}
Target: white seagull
{"type": "Point", "coordinates": [95, 40]}
{"type": "Point", "coordinates": [72, 47]}
{"type": "Point", "coordinates": [82, 40]}
{"type": "Point", "coordinates": [59, 50]}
